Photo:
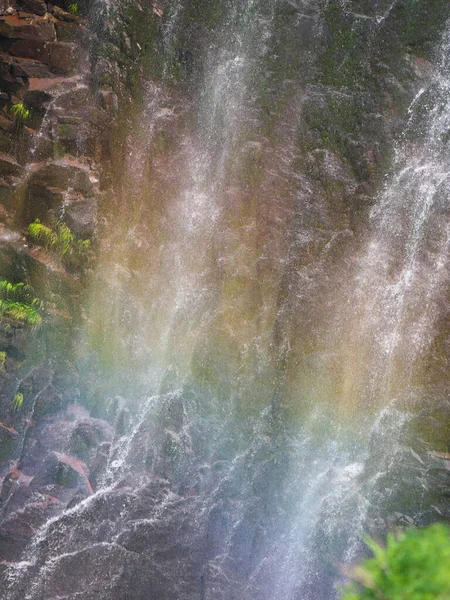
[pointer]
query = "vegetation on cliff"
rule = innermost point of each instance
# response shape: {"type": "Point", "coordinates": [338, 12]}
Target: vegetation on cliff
{"type": "Point", "coordinates": [72, 251]}
{"type": "Point", "coordinates": [18, 303]}
{"type": "Point", "coordinates": [413, 565]}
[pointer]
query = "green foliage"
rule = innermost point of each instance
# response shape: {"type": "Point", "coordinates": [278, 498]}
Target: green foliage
{"type": "Point", "coordinates": [3, 357]}
{"type": "Point", "coordinates": [18, 303]}
{"type": "Point", "coordinates": [17, 401]}
{"type": "Point", "coordinates": [20, 111]}
{"type": "Point", "coordinates": [413, 566]}
{"type": "Point", "coordinates": [71, 250]}
{"type": "Point", "coordinates": [73, 8]}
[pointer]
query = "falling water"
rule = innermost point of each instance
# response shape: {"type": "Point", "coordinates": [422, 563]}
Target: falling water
{"type": "Point", "coordinates": [262, 503]}
{"type": "Point", "coordinates": [402, 274]}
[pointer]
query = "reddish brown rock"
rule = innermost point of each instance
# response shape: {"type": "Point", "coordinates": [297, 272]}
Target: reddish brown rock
{"type": "Point", "coordinates": [9, 167]}
{"type": "Point", "coordinates": [38, 50]}
{"type": "Point", "coordinates": [22, 29]}
{"type": "Point", "coordinates": [62, 174]}
{"type": "Point", "coordinates": [64, 57]}
{"type": "Point", "coordinates": [37, 7]}
{"type": "Point", "coordinates": [69, 32]}
{"type": "Point", "coordinates": [62, 15]}
{"type": "Point", "coordinates": [8, 431]}
{"type": "Point", "coordinates": [25, 67]}
{"type": "Point", "coordinates": [63, 470]}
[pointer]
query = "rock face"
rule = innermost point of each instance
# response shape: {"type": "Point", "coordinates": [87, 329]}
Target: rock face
{"type": "Point", "coordinates": [148, 511]}
{"type": "Point", "coordinates": [53, 137]}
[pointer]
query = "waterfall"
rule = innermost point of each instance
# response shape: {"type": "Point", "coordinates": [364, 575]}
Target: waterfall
{"type": "Point", "coordinates": [401, 275]}
{"type": "Point", "coordinates": [269, 421]}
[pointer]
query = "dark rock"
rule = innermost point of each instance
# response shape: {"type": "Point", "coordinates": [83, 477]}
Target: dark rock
{"type": "Point", "coordinates": [81, 217]}
{"type": "Point", "coordinates": [37, 7]}
{"type": "Point", "coordinates": [48, 402]}
{"type": "Point", "coordinates": [77, 101]}
{"type": "Point", "coordinates": [14, 496]}
{"type": "Point", "coordinates": [109, 101]}
{"type": "Point", "coordinates": [63, 470]}
{"type": "Point", "coordinates": [8, 194]}
{"type": "Point", "coordinates": [7, 433]}
{"type": "Point", "coordinates": [69, 32]}
{"type": "Point", "coordinates": [62, 15]}
{"type": "Point", "coordinates": [106, 73]}
{"type": "Point", "coordinates": [336, 177]}
{"type": "Point", "coordinates": [87, 436]}
{"type": "Point", "coordinates": [22, 67]}
{"type": "Point", "coordinates": [18, 529]}
{"type": "Point", "coordinates": [19, 29]}
{"type": "Point", "coordinates": [42, 199]}
{"type": "Point", "coordinates": [105, 571]}
{"type": "Point", "coordinates": [9, 167]}
{"type": "Point", "coordinates": [50, 433]}
{"type": "Point", "coordinates": [63, 174]}
{"type": "Point", "coordinates": [37, 99]}
{"type": "Point", "coordinates": [99, 463]}
{"type": "Point", "coordinates": [9, 237]}
{"type": "Point", "coordinates": [12, 84]}
{"type": "Point", "coordinates": [64, 57]}
{"type": "Point", "coordinates": [67, 137]}
{"type": "Point", "coordinates": [15, 534]}
{"type": "Point", "coordinates": [4, 99]}
{"type": "Point", "coordinates": [38, 50]}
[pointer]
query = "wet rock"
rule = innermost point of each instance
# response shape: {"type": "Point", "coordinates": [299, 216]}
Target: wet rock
{"type": "Point", "coordinates": [38, 50]}
{"type": "Point", "coordinates": [81, 217]}
{"type": "Point", "coordinates": [64, 57]}
{"type": "Point", "coordinates": [37, 99]}
{"type": "Point", "coordinates": [7, 432]}
{"type": "Point", "coordinates": [109, 101]}
{"type": "Point", "coordinates": [63, 470]}
{"type": "Point", "coordinates": [336, 178]}
{"type": "Point", "coordinates": [18, 529]}
{"type": "Point", "coordinates": [87, 436]}
{"type": "Point", "coordinates": [106, 73]}
{"type": "Point", "coordinates": [62, 174]}
{"type": "Point", "coordinates": [15, 534]}
{"type": "Point", "coordinates": [37, 7]}
{"type": "Point", "coordinates": [69, 32]}
{"type": "Point", "coordinates": [4, 99]}
{"type": "Point", "coordinates": [50, 433]}
{"type": "Point", "coordinates": [20, 29]}
{"type": "Point", "coordinates": [62, 15]}
{"type": "Point", "coordinates": [105, 571]}
{"type": "Point", "coordinates": [122, 421]}
{"type": "Point", "coordinates": [76, 101]}
{"type": "Point", "coordinates": [10, 238]}
{"type": "Point", "coordinates": [70, 135]}
{"type": "Point", "coordinates": [49, 401]}
{"type": "Point", "coordinates": [9, 167]}
{"type": "Point", "coordinates": [14, 496]}
{"type": "Point", "coordinates": [99, 463]}
{"type": "Point", "coordinates": [43, 199]}
{"type": "Point", "coordinates": [24, 67]}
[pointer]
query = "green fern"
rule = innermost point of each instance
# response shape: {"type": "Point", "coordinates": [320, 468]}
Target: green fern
{"type": "Point", "coordinates": [18, 303]}
{"type": "Point", "coordinates": [19, 292]}
{"type": "Point", "coordinates": [20, 111]}
{"type": "Point", "coordinates": [22, 313]}
{"type": "Point", "coordinates": [66, 239]}
{"type": "Point", "coordinates": [412, 566]}
{"type": "Point", "coordinates": [43, 235]}
{"type": "Point", "coordinates": [73, 8]}
{"type": "Point", "coordinates": [61, 241]}
{"type": "Point", "coordinates": [17, 402]}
